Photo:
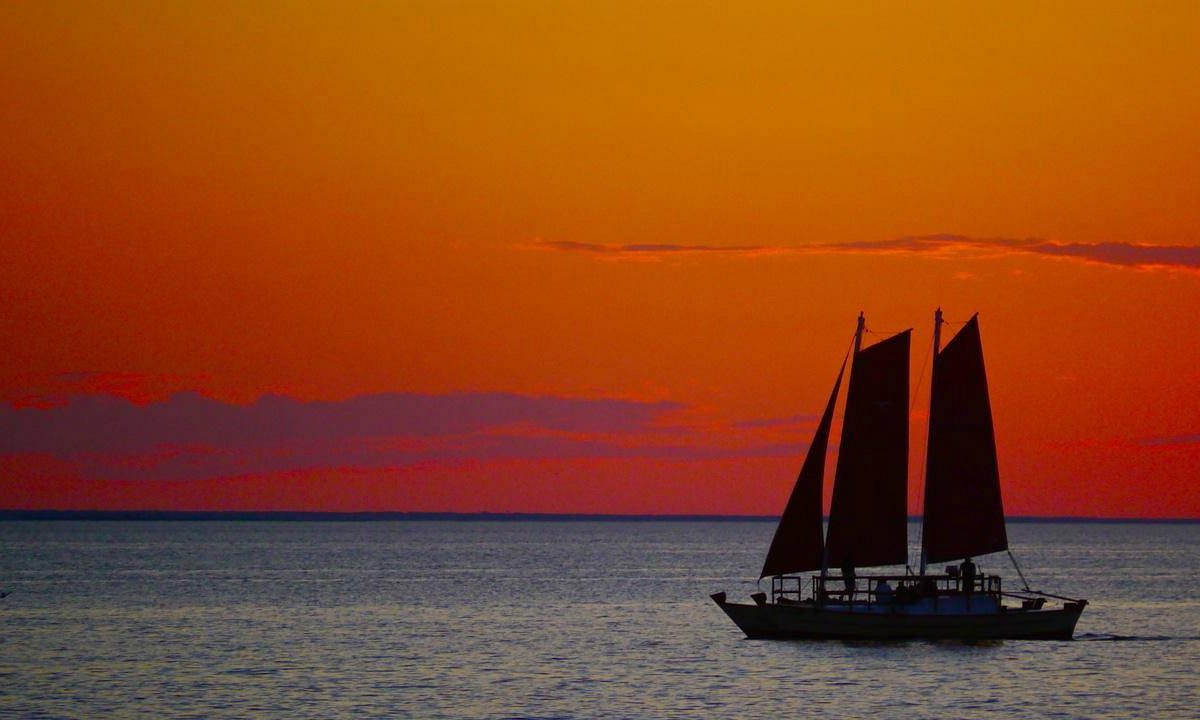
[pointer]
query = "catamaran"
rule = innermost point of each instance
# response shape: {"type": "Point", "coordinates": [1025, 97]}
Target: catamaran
{"type": "Point", "coordinates": [868, 521]}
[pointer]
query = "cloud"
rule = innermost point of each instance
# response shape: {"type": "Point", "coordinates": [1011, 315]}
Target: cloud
{"type": "Point", "coordinates": [1171, 440]}
{"type": "Point", "coordinates": [1132, 255]}
{"type": "Point", "coordinates": [651, 251]}
{"type": "Point", "coordinates": [110, 424]}
{"type": "Point", "coordinates": [45, 391]}
{"type": "Point", "coordinates": [777, 421]}
{"type": "Point", "coordinates": [1121, 254]}
{"type": "Point", "coordinates": [188, 436]}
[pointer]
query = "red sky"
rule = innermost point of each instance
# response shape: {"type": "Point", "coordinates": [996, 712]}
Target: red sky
{"type": "Point", "coordinates": [587, 258]}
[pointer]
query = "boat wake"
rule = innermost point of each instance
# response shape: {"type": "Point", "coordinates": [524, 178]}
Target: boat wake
{"type": "Point", "coordinates": [1107, 637]}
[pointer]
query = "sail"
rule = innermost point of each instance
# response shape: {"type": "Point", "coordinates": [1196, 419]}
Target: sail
{"type": "Point", "coordinates": [796, 546]}
{"type": "Point", "coordinates": [964, 515]}
{"type": "Point", "coordinates": [868, 523]}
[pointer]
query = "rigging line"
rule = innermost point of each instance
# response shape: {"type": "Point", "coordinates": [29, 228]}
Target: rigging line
{"type": "Point", "coordinates": [848, 358]}
{"type": "Point", "coordinates": [1018, 567]}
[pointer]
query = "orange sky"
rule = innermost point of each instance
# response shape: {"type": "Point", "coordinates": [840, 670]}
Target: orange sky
{"type": "Point", "coordinates": [327, 203]}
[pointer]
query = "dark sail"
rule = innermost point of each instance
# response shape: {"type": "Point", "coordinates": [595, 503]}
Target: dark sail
{"type": "Point", "coordinates": [868, 522]}
{"type": "Point", "coordinates": [964, 515]}
{"type": "Point", "coordinates": [796, 546]}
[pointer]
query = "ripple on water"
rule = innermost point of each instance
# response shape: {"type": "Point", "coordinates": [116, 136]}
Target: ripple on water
{"type": "Point", "coordinates": [546, 620]}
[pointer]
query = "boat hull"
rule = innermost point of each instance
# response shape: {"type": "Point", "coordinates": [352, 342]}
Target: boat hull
{"type": "Point", "coordinates": [807, 621]}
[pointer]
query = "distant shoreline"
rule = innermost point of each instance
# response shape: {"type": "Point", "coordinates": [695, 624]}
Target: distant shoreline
{"type": "Point", "coordinates": [295, 516]}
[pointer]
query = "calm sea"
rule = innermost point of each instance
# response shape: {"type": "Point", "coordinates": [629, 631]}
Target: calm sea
{"type": "Point", "coordinates": [572, 619]}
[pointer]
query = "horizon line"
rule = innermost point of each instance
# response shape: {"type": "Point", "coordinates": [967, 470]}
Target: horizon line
{"type": "Point", "coordinates": [368, 516]}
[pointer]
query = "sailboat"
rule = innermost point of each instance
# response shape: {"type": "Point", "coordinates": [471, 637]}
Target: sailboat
{"type": "Point", "coordinates": [963, 516]}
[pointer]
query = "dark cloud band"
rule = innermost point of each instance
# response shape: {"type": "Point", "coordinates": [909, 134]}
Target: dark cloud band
{"type": "Point", "coordinates": [1134, 255]}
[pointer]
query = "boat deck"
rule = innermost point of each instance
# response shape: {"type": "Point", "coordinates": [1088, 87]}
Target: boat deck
{"type": "Point", "coordinates": [939, 592]}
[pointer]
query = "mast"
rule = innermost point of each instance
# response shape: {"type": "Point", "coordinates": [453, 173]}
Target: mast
{"type": "Point", "coordinates": [858, 333]}
{"type": "Point", "coordinates": [937, 330]}
{"type": "Point", "coordinates": [937, 343]}
{"type": "Point", "coordinates": [867, 518]}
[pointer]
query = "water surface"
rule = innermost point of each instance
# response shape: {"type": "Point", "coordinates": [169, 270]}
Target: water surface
{"type": "Point", "coordinates": [489, 619]}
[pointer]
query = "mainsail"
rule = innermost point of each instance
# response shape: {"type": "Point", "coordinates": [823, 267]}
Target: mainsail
{"type": "Point", "coordinates": [797, 544]}
{"type": "Point", "coordinates": [964, 515]}
{"type": "Point", "coordinates": [868, 518]}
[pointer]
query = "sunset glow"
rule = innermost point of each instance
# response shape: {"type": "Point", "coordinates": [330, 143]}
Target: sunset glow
{"type": "Point", "coordinates": [585, 258]}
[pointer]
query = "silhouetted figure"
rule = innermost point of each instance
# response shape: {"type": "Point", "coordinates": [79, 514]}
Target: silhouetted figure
{"type": "Point", "coordinates": [883, 592]}
{"type": "Point", "coordinates": [967, 573]}
{"type": "Point", "coordinates": [848, 579]}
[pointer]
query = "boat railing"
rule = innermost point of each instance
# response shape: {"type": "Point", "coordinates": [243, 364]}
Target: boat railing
{"type": "Point", "coordinates": [862, 588]}
{"type": "Point", "coordinates": [1036, 599]}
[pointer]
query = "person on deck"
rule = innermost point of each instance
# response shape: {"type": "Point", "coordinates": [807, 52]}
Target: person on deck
{"type": "Point", "coordinates": [848, 579]}
{"type": "Point", "coordinates": [967, 573]}
{"type": "Point", "coordinates": [883, 593]}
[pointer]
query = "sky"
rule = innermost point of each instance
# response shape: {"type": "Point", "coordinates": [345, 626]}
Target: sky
{"type": "Point", "coordinates": [585, 257]}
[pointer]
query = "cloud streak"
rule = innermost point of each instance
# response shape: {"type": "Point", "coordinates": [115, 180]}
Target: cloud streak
{"type": "Point", "coordinates": [651, 251]}
{"type": "Point", "coordinates": [1121, 254]}
{"type": "Point", "coordinates": [772, 422]}
{"type": "Point", "coordinates": [1129, 255]}
{"type": "Point", "coordinates": [90, 424]}
{"type": "Point", "coordinates": [188, 436]}
{"type": "Point", "coordinates": [1169, 440]}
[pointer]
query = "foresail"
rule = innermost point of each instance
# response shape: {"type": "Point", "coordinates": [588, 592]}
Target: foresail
{"type": "Point", "coordinates": [868, 522]}
{"type": "Point", "coordinates": [796, 546]}
{"type": "Point", "coordinates": [964, 514]}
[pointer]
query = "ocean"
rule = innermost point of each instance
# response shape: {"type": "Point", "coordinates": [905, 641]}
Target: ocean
{"type": "Point", "coordinates": [547, 619]}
